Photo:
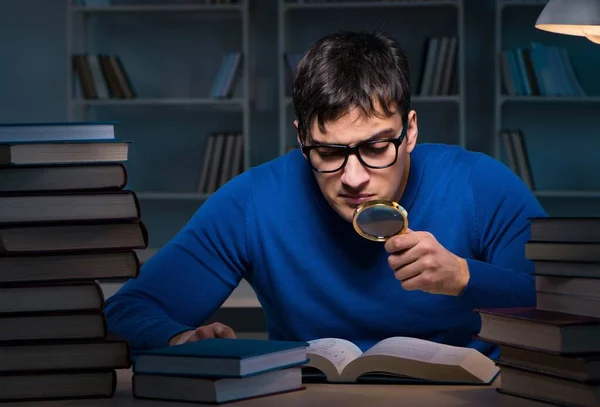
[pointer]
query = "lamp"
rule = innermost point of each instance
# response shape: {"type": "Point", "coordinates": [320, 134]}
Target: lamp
{"type": "Point", "coordinates": [571, 17]}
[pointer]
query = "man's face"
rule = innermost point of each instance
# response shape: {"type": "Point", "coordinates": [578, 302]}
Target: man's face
{"type": "Point", "coordinates": [355, 183]}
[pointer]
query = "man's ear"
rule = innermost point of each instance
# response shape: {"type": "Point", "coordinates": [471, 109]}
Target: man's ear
{"type": "Point", "coordinates": [412, 132]}
{"type": "Point", "coordinates": [297, 132]}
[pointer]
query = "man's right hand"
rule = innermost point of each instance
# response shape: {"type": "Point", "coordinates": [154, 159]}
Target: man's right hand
{"type": "Point", "coordinates": [214, 330]}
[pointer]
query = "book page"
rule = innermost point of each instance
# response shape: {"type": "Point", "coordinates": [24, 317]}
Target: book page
{"type": "Point", "coordinates": [419, 349]}
{"type": "Point", "coordinates": [339, 352]}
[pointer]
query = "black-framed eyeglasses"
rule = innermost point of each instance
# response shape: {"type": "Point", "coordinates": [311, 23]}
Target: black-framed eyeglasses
{"type": "Point", "coordinates": [377, 154]}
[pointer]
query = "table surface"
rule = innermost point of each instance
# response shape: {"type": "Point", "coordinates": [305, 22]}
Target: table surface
{"type": "Point", "coordinates": [357, 395]}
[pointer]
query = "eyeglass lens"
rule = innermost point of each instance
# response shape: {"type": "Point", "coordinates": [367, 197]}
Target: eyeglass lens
{"type": "Point", "coordinates": [376, 154]}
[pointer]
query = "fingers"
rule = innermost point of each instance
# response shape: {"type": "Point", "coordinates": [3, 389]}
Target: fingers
{"type": "Point", "coordinates": [214, 330]}
{"type": "Point", "coordinates": [222, 331]}
{"type": "Point", "coordinates": [397, 260]}
{"type": "Point", "coordinates": [401, 242]}
{"type": "Point", "coordinates": [408, 272]}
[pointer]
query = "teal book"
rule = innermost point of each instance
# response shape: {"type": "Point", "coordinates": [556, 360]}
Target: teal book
{"type": "Point", "coordinates": [221, 358]}
{"type": "Point", "coordinates": [53, 131]}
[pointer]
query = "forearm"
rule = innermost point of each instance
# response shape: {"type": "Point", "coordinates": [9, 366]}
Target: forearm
{"type": "Point", "coordinates": [493, 286]}
{"type": "Point", "coordinates": [173, 293]}
{"type": "Point", "coordinates": [187, 280]}
{"type": "Point", "coordinates": [144, 324]}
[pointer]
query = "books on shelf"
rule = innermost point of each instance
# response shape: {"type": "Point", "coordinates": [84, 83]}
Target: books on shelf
{"type": "Point", "coordinates": [229, 72]}
{"type": "Point", "coordinates": [399, 358]}
{"type": "Point", "coordinates": [219, 370]}
{"type": "Point", "coordinates": [540, 70]}
{"type": "Point", "coordinates": [223, 160]}
{"type": "Point", "coordinates": [438, 69]}
{"type": "Point", "coordinates": [100, 76]}
{"type": "Point", "coordinates": [550, 352]}
{"type": "Point", "coordinates": [61, 233]}
{"type": "Point", "coordinates": [515, 149]}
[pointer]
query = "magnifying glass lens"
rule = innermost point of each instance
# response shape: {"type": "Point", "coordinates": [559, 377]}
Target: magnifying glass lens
{"type": "Point", "coordinates": [380, 220]}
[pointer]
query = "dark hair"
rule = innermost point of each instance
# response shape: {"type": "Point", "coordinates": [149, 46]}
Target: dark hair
{"type": "Point", "coordinates": [346, 69]}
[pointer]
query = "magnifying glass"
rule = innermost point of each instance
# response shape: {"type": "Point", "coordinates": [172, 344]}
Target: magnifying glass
{"type": "Point", "coordinates": [378, 220]}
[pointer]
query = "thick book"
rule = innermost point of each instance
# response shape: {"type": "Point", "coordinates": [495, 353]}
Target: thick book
{"type": "Point", "coordinates": [72, 237]}
{"type": "Point", "coordinates": [111, 352]}
{"type": "Point", "coordinates": [568, 285]}
{"type": "Point", "coordinates": [567, 268]}
{"type": "Point", "coordinates": [399, 358]}
{"type": "Point", "coordinates": [71, 207]}
{"type": "Point", "coordinates": [216, 390]}
{"type": "Point", "coordinates": [541, 330]}
{"type": "Point", "coordinates": [51, 296]}
{"type": "Point", "coordinates": [576, 304]}
{"type": "Point", "coordinates": [46, 386]}
{"type": "Point", "coordinates": [54, 325]}
{"type": "Point", "coordinates": [63, 152]}
{"type": "Point", "coordinates": [51, 131]}
{"type": "Point", "coordinates": [548, 388]}
{"type": "Point", "coordinates": [69, 177]}
{"type": "Point", "coordinates": [566, 229]}
{"type": "Point", "coordinates": [61, 267]}
{"type": "Point", "coordinates": [563, 251]}
{"type": "Point", "coordinates": [583, 367]}
{"type": "Point", "coordinates": [219, 357]}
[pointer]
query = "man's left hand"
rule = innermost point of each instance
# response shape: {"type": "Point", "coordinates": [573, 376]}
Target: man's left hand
{"type": "Point", "coordinates": [420, 262]}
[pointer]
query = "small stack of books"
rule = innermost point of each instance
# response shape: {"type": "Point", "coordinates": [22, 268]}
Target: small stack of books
{"type": "Point", "coordinates": [219, 370]}
{"type": "Point", "coordinates": [551, 352]}
{"type": "Point", "coordinates": [66, 221]}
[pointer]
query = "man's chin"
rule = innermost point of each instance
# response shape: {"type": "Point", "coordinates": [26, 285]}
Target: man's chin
{"type": "Point", "coordinates": [345, 210]}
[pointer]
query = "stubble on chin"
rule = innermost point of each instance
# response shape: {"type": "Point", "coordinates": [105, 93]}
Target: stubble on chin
{"type": "Point", "coordinates": [343, 209]}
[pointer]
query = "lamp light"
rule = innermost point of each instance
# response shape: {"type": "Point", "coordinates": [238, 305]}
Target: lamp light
{"type": "Point", "coordinates": [571, 17]}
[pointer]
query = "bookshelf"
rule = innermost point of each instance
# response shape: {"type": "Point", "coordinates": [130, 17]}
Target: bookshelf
{"type": "Point", "coordinates": [172, 51]}
{"type": "Point", "coordinates": [560, 130]}
{"type": "Point", "coordinates": [441, 116]}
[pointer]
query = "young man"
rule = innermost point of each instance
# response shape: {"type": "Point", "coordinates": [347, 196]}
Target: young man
{"type": "Point", "coordinates": [285, 226]}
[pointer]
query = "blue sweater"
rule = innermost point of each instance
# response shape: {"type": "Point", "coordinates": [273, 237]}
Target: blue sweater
{"type": "Point", "coordinates": [316, 277]}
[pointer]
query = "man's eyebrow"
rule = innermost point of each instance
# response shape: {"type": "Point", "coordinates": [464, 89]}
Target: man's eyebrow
{"type": "Point", "coordinates": [385, 132]}
{"type": "Point", "coordinates": [380, 134]}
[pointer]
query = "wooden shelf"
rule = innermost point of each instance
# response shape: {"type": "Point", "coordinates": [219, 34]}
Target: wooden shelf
{"type": "Point", "coordinates": [173, 196]}
{"type": "Point", "coordinates": [158, 8]}
{"type": "Point", "coordinates": [549, 99]}
{"type": "Point", "coordinates": [525, 3]}
{"type": "Point", "coordinates": [371, 4]}
{"type": "Point", "coordinates": [436, 99]}
{"type": "Point", "coordinates": [567, 194]}
{"type": "Point", "coordinates": [162, 102]}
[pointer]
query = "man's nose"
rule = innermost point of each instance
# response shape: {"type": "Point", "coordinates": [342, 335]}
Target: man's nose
{"type": "Point", "coordinates": [354, 173]}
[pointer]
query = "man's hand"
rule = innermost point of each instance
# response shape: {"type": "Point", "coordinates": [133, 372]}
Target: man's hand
{"type": "Point", "coordinates": [420, 262]}
{"type": "Point", "coordinates": [214, 330]}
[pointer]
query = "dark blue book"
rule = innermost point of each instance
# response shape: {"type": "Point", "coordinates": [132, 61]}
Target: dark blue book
{"type": "Point", "coordinates": [65, 131]}
{"type": "Point", "coordinates": [219, 358]}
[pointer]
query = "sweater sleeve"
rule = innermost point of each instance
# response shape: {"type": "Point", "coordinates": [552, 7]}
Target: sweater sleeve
{"type": "Point", "coordinates": [186, 281]}
{"type": "Point", "coordinates": [502, 206]}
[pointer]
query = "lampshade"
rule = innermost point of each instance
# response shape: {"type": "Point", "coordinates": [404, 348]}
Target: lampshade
{"type": "Point", "coordinates": [571, 17]}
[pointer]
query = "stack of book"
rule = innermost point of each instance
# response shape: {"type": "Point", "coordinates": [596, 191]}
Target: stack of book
{"type": "Point", "coordinates": [551, 352]}
{"type": "Point", "coordinates": [66, 222]}
{"type": "Point", "coordinates": [219, 370]}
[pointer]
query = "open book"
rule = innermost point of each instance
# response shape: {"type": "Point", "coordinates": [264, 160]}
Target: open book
{"type": "Point", "coordinates": [401, 357]}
